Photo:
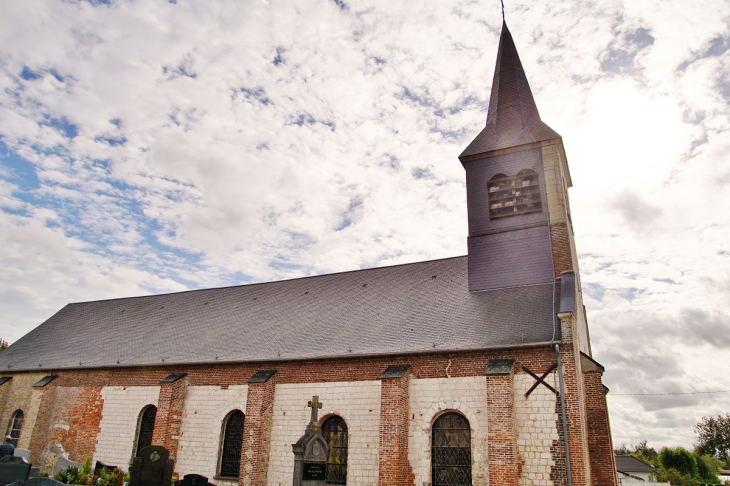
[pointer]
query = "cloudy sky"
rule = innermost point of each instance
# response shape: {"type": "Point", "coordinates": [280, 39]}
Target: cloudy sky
{"type": "Point", "coordinates": [155, 146]}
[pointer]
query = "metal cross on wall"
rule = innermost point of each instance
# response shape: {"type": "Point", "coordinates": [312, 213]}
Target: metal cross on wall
{"type": "Point", "coordinates": [540, 379]}
{"type": "Point", "coordinates": [315, 405]}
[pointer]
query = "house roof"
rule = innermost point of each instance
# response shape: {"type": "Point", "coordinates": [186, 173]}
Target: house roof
{"type": "Point", "coordinates": [512, 119]}
{"type": "Point", "coordinates": [412, 308]}
{"type": "Point", "coordinates": [630, 464]}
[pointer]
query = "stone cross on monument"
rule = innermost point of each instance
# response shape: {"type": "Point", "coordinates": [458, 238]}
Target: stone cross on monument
{"type": "Point", "coordinates": [311, 452]}
{"type": "Point", "coordinates": [315, 405]}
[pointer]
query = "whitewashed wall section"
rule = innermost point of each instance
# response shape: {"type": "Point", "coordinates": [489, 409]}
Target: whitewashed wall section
{"type": "Point", "coordinates": [358, 403]}
{"type": "Point", "coordinates": [536, 429]}
{"type": "Point", "coordinates": [430, 397]}
{"type": "Point", "coordinates": [206, 407]}
{"type": "Point", "coordinates": [119, 417]}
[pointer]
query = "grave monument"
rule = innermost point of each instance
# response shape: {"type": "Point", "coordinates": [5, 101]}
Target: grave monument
{"type": "Point", "coordinates": [311, 452]}
{"type": "Point", "coordinates": [152, 467]}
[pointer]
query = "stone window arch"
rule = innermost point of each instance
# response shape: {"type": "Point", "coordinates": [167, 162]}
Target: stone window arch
{"type": "Point", "coordinates": [451, 450]}
{"type": "Point", "coordinates": [145, 428]}
{"type": "Point", "coordinates": [16, 426]}
{"type": "Point", "coordinates": [231, 445]}
{"type": "Point", "coordinates": [334, 430]}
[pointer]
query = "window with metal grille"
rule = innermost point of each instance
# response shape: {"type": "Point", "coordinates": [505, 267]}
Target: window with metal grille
{"type": "Point", "coordinates": [232, 442]}
{"type": "Point", "coordinates": [15, 426]}
{"type": "Point", "coordinates": [451, 451]}
{"type": "Point", "coordinates": [334, 430]}
{"type": "Point", "coordinates": [146, 428]}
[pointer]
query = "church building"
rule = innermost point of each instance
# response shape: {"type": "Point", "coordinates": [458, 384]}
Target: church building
{"type": "Point", "coordinates": [473, 370]}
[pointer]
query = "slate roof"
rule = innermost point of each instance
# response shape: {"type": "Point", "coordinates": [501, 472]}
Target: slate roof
{"type": "Point", "coordinates": [630, 464]}
{"type": "Point", "coordinates": [412, 308]}
{"type": "Point", "coordinates": [512, 118]}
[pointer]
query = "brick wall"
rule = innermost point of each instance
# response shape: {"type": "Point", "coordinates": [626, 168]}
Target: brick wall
{"type": "Point", "coordinates": [537, 428]}
{"type": "Point", "coordinates": [358, 403]}
{"type": "Point", "coordinates": [257, 433]}
{"type": "Point", "coordinates": [600, 444]}
{"type": "Point", "coordinates": [122, 406]}
{"type": "Point", "coordinates": [16, 395]}
{"type": "Point", "coordinates": [505, 463]}
{"type": "Point", "coordinates": [429, 398]}
{"type": "Point", "coordinates": [74, 421]}
{"type": "Point", "coordinates": [42, 401]}
{"type": "Point", "coordinates": [125, 392]}
{"type": "Point", "coordinates": [169, 415]}
{"type": "Point", "coordinates": [575, 404]}
{"type": "Point", "coordinates": [394, 469]}
{"type": "Point", "coordinates": [206, 408]}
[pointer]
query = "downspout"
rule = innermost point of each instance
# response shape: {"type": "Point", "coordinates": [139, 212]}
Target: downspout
{"type": "Point", "coordinates": [565, 422]}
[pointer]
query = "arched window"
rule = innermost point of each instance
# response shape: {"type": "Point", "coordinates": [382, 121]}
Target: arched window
{"type": "Point", "coordinates": [451, 451]}
{"type": "Point", "coordinates": [146, 428]}
{"type": "Point", "coordinates": [15, 426]}
{"type": "Point", "coordinates": [334, 430]}
{"type": "Point", "coordinates": [232, 442]}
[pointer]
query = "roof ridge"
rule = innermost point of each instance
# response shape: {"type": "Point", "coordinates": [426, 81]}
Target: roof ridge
{"type": "Point", "coordinates": [264, 283]}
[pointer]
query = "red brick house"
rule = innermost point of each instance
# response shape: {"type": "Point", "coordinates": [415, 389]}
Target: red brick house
{"type": "Point", "coordinates": [440, 372]}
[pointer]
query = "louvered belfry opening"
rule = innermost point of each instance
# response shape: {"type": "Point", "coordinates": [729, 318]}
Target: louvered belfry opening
{"type": "Point", "coordinates": [146, 428]}
{"type": "Point", "coordinates": [16, 425]}
{"type": "Point", "coordinates": [334, 430]}
{"type": "Point", "coordinates": [232, 442]}
{"type": "Point", "coordinates": [451, 451]}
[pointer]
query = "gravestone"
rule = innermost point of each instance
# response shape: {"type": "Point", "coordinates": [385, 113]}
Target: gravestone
{"type": "Point", "coordinates": [100, 465]}
{"type": "Point", "coordinates": [152, 467]}
{"type": "Point", "coordinates": [193, 480]}
{"type": "Point", "coordinates": [62, 464]}
{"type": "Point", "coordinates": [38, 482]}
{"type": "Point", "coordinates": [25, 453]}
{"type": "Point", "coordinates": [311, 452]}
{"type": "Point", "coordinates": [13, 469]}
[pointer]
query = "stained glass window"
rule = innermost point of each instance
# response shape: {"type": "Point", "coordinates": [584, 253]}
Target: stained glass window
{"type": "Point", "coordinates": [16, 425]}
{"type": "Point", "coordinates": [146, 428]}
{"type": "Point", "coordinates": [232, 442]}
{"type": "Point", "coordinates": [335, 433]}
{"type": "Point", "coordinates": [451, 451]}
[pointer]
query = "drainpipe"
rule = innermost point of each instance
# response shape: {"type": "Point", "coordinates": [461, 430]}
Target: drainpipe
{"type": "Point", "coordinates": [565, 422]}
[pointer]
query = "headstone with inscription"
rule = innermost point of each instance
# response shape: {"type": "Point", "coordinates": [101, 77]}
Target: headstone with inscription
{"type": "Point", "coordinates": [311, 452]}
{"type": "Point", "coordinates": [152, 467]}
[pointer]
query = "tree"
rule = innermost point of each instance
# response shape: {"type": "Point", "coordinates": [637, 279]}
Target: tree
{"type": "Point", "coordinates": [640, 451]}
{"type": "Point", "coordinates": [3, 344]}
{"type": "Point", "coordinates": [679, 459]}
{"type": "Point", "coordinates": [714, 435]}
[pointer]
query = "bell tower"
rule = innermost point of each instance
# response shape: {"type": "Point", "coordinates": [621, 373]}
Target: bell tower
{"type": "Point", "coordinates": [516, 179]}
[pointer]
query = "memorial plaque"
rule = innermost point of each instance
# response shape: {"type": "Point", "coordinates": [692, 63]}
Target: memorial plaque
{"type": "Point", "coordinates": [314, 471]}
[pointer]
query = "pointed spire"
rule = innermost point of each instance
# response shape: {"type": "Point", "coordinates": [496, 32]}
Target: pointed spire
{"type": "Point", "coordinates": [512, 118]}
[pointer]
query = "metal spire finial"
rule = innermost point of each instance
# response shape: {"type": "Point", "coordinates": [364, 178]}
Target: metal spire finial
{"type": "Point", "coordinates": [502, 1]}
